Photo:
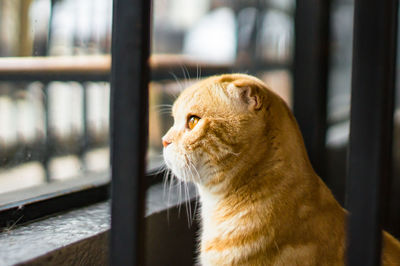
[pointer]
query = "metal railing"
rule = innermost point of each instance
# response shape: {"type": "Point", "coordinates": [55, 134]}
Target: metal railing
{"type": "Point", "coordinates": [373, 77]}
{"type": "Point", "coordinates": [47, 70]}
{"type": "Point", "coordinates": [81, 69]}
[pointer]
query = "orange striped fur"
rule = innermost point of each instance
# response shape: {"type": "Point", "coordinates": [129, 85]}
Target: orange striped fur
{"type": "Point", "coordinates": [262, 202]}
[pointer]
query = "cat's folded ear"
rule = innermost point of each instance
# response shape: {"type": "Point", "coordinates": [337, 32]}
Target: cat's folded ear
{"type": "Point", "coordinates": [248, 91]}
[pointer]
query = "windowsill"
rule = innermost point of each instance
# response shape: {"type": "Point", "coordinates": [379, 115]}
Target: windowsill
{"type": "Point", "coordinates": [85, 180]}
{"type": "Point", "coordinates": [50, 189]}
{"type": "Point", "coordinates": [80, 235]}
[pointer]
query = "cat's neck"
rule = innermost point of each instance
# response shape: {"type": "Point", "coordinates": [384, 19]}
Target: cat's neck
{"type": "Point", "coordinates": [258, 181]}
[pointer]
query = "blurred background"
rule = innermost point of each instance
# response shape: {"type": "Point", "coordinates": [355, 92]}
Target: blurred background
{"type": "Point", "coordinates": [55, 129]}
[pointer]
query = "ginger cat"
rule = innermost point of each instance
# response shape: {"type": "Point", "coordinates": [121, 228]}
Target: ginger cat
{"type": "Point", "coordinates": [262, 202]}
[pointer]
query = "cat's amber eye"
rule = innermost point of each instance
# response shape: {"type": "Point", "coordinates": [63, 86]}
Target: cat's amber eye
{"type": "Point", "coordinates": [192, 121]}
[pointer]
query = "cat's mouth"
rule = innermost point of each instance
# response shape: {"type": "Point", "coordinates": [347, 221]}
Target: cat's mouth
{"type": "Point", "coordinates": [180, 165]}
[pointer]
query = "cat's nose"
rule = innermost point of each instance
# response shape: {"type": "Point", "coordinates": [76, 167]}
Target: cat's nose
{"type": "Point", "coordinates": [165, 143]}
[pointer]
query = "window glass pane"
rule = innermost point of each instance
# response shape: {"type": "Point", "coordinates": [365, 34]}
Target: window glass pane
{"type": "Point", "coordinates": [54, 106]}
{"type": "Point", "coordinates": [339, 90]}
{"type": "Point", "coordinates": [55, 126]}
{"type": "Point", "coordinates": [341, 56]}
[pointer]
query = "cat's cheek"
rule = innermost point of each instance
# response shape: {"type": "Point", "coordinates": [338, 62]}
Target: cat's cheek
{"type": "Point", "coordinates": [195, 141]}
{"type": "Point", "coordinates": [172, 161]}
{"type": "Point", "coordinates": [168, 157]}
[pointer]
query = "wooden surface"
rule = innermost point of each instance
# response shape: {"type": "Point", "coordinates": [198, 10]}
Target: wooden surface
{"type": "Point", "coordinates": [97, 64]}
{"type": "Point", "coordinates": [59, 65]}
{"type": "Point", "coordinates": [97, 68]}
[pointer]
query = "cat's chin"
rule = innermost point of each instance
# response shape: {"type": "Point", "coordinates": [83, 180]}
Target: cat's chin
{"type": "Point", "coordinates": [181, 167]}
{"type": "Point", "coordinates": [183, 178]}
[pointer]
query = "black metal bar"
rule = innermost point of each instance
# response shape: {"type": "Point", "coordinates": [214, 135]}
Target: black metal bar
{"type": "Point", "coordinates": [48, 145]}
{"type": "Point", "coordinates": [129, 125]}
{"type": "Point", "coordinates": [374, 56]}
{"type": "Point", "coordinates": [50, 27]}
{"type": "Point", "coordinates": [311, 61]}
{"type": "Point", "coordinates": [84, 140]}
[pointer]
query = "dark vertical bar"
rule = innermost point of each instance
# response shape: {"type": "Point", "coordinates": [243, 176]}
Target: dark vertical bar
{"type": "Point", "coordinates": [50, 30]}
{"type": "Point", "coordinates": [254, 45]}
{"type": "Point", "coordinates": [129, 125]}
{"type": "Point", "coordinates": [48, 148]}
{"type": "Point", "coordinates": [84, 140]}
{"type": "Point", "coordinates": [373, 78]}
{"type": "Point", "coordinates": [48, 134]}
{"type": "Point", "coordinates": [311, 61]}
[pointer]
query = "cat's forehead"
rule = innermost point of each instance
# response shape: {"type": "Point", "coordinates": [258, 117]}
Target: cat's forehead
{"type": "Point", "coordinates": [197, 98]}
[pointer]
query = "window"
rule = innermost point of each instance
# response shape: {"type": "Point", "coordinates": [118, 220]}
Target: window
{"type": "Point", "coordinates": [54, 122]}
{"type": "Point", "coordinates": [54, 102]}
{"type": "Point", "coordinates": [55, 93]}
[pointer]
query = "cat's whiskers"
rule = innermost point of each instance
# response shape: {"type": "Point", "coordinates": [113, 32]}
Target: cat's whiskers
{"type": "Point", "coordinates": [161, 169]}
{"type": "Point", "coordinates": [197, 177]}
{"type": "Point", "coordinates": [167, 175]}
{"type": "Point", "coordinates": [198, 180]}
{"type": "Point", "coordinates": [187, 204]}
{"type": "Point", "coordinates": [165, 170]}
{"type": "Point", "coordinates": [181, 86]}
{"type": "Point", "coordinates": [188, 177]}
{"type": "Point", "coordinates": [179, 197]}
{"type": "Point", "coordinates": [165, 181]}
{"type": "Point", "coordinates": [198, 72]}
{"type": "Point", "coordinates": [162, 105]}
{"type": "Point", "coordinates": [171, 180]}
{"type": "Point", "coordinates": [186, 74]}
{"type": "Point", "coordinates": [200, 77]}
{"type": "Point", "coordinates": [188, 173]}
{"type": "Point", "coordinates": [162, 109]}
{"type": "Point", "coordinates": [182, 182]}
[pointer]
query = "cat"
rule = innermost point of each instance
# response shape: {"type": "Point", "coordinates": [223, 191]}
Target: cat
{"type": "Point", "coordinates": [261, 201]}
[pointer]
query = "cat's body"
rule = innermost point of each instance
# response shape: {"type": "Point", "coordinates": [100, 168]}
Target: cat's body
{"type": "Point", "coordinates": [262, 203]}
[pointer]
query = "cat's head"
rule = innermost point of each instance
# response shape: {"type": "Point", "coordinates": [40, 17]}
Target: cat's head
{"type": "Point", "coordinates": [220, 128]}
